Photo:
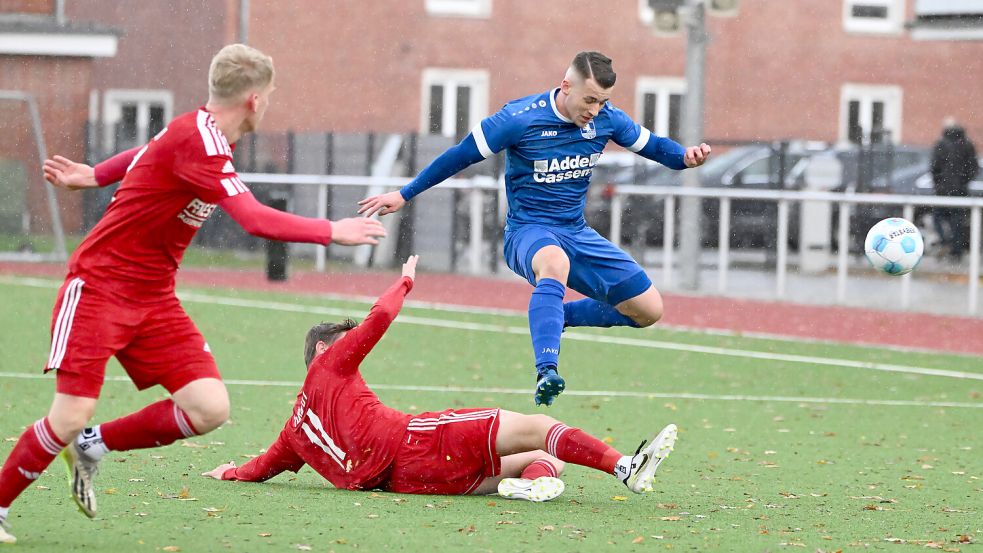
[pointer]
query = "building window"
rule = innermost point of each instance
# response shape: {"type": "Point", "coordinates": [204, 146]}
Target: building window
{"type": "Point", "coordinates": [870, 114]}
{"type": "Point", "coordinates": [874, 16]}
{"type": "Point", "coordinates": [132, 117]}
{"type": "Point", "coordinates": [459, 8]}
{"type": "Point", "coordinates": [454, 100]}
{"type": "Point", "coordinates": [659, 104]}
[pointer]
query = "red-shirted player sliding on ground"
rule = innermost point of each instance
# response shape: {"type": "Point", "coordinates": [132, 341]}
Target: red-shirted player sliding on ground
{"type": "Point", "coordinates": [118, 298]}
{"type": "Point", "coordinates": [341, 429]}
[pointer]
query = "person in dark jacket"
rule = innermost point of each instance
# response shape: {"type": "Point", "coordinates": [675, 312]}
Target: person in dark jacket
{"type": "Point", "coordinates": [954, 165]}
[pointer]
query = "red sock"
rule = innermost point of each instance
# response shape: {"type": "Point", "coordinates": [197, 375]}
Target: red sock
{"type": "Point", "coordinates": [157, 424]}
{"type": "Point", "coordinates": [34, 451]}
{"type": "Point", "coordinates": [573, 445]}
{"type": "Point", "coordinates": [539, 468]}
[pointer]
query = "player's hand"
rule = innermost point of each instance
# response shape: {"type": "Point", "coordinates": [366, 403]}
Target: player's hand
{"type": "Point", "coordinates": [356, 230]}
{"type": "Point", "coordinates": [409, 268]}
{"type": "Point", "coordinates": [218, 471]}
{"type": "Point", "coordinates": [696, 155]}
{"type": "Point", "coordinates": [65, 173]}
{"type": "Point", "coordinates": [384, 204]}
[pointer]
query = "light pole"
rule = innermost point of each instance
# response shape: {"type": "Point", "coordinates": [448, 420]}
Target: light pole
{"type": "Point", "coordinates": [690, 212]}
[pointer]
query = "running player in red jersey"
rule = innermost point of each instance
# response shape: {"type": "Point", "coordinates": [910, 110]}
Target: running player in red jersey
{"type": "Point", "coordinates": [118, 298]}
{"type": "Point", "coordinates": [341, 429]}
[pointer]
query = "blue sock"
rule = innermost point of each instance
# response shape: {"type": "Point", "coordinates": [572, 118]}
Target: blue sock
{"type": "Point", "coordinates": [546, 321]}
{"type": "Point", "coordinates": [588, 312]}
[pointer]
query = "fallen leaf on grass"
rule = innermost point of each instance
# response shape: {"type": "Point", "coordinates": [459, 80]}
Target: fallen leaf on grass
{"type": "Point", "coordinates": [372, 516]}
{"type": "Point", "coordinates": [171, 548]}
{"type": "Point", "coordinates": [639, 539]}
{"type": "Point", "coordinates": [135, 480]}
{"type": "Point", "coordinates": [548, 528]}
{"type": "Point", "coordinates": [264, 534]}
{"type": "Point", "coordinates": [672, 518]}
{"type": "Point", "coordinates": [506, 522]}
{"type": "Point", "coordinates": [42, 487]}
{"type": "Point", "coordinates": [619, 498]}
{"type": "Point", "coordinates": [194, 445]}
{"type": "Point", "coordinates": [302, 547]}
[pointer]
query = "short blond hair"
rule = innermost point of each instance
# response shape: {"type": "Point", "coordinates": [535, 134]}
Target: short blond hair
{"type": "Point", "coordinates": [237, 69]}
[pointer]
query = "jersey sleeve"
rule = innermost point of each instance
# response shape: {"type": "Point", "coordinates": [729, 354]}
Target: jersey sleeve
{"type": "Point", "coordinates": [278, 458]}
{"type": "Point", "coordinates": [497, 132]}
{"type": "Point", "coordinates": [630, 135]}
{"type": "Point", "coordinates": [265, 222]}
{"type": "Point", "coordinates": [114, 169]}
{"type": "Point", "coordinates": [359, 341]}
{"type": "Point", "coordinates": [207, 169]}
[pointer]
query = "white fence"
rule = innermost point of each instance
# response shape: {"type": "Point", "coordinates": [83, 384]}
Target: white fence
{"type": "Point", "coordinates": [784, 199]}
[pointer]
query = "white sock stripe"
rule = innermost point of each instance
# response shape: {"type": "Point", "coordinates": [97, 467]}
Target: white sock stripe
{"type": "Point", "coordinates": [49, 443]}
{"type": "Point", "coordinates": [66, 314]}
{"type": "Point", "coordinates": [550, 469]}
{"type": "Point", "coordinates": [553, 437]}
{"type": "Point", "coordinates": [182, 423]}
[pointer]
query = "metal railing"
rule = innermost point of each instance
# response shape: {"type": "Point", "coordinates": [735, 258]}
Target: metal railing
{"type": "Point", "coordinates": [784, 198]}
{"type": "Point", "coordinates": [475, 186]}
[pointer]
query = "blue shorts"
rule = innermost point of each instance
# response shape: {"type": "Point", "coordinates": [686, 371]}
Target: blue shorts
{"type": "Point", "coordinates": [598, 269]}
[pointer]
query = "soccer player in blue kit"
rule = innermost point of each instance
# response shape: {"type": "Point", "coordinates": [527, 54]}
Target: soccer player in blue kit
{"type": "Point", "coordinates": [554, 140]}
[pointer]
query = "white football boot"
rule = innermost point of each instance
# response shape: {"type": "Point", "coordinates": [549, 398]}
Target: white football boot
{"type": "Point", "coordinates": [82, 472]}
{"type": "Point", "coordinates": [541, 489]}
{"type": "Point", "coordinates": [644, 463]}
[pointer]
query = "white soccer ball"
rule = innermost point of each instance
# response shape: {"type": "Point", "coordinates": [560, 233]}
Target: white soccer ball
{"type": "Point", "coordinates": [894, 246]}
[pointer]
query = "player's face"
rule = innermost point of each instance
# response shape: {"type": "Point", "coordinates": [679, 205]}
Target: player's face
{"type": "Point", "coordinates": [584, 101]}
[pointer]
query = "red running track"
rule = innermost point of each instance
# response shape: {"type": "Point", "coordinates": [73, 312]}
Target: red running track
{"type": "Point", "coordinates": [838, 324]}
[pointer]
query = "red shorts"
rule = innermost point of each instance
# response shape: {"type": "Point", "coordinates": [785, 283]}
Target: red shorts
{"type": "Point", "coordinates": [447, 453]}
{"type": "Point", "coordinates": [155, 341]}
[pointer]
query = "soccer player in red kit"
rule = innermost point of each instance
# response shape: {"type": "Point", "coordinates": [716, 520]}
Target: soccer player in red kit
{"type": "Point", "coordinates": [341, 429]}
{"type": "Point", "coordinates": [118, 298]}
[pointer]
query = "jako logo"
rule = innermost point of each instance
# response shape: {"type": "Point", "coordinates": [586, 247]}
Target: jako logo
{"type": "Point", "coordinates": [549, 133]}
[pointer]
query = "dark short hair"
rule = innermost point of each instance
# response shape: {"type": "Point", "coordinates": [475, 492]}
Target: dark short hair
{"type": "Point", "coordinates": [324, 332]}
{"type": "Point", "coordinates": [596, 65]}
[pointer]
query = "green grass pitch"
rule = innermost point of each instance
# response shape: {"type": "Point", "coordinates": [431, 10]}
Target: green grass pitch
{"type": "Point", "coordinates": [783, 445]}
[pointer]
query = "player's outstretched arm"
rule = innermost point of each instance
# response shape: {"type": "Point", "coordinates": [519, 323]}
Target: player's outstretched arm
{"type": "Point", "coordinates": [446, 165]}
{"type": "Point", "coordinates": [65, 173]}
{"type": "Point", "coordinates": [62, 172]}
{"type": "Point", "coordinates": [264, 221]}
{"type": "Point", "coordinates": [359, 341]}
{"type": "Point", "coordinates": [278, 458]}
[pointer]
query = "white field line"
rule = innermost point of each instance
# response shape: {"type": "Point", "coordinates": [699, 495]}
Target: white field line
{"type": "Point", "coordinates": [194, 297]}
{"type": "Point", "coordinates": [582, 393]}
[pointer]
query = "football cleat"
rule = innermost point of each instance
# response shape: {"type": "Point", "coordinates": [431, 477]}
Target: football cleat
{"type": "Point", "coordinates": [644, 463]}
{"type": "Point", "coordinates": [541, 489]}
{"type": "Point", "coordinates": [82, 472]}
{"type": "Point", "coordinates": [6, 537]}
{"type": "Point", "coordinates": [549, 384]}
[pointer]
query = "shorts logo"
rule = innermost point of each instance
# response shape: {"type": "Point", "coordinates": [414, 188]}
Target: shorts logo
{"type": "Point", "coordinates": [589, 131]}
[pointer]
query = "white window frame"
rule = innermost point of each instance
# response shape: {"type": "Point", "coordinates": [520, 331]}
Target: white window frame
{"type": "Point", "coordinates": [893, 24]}
{"type": "Point", "coordinates": [113, 101]}
{"type": "Point", "coordinates": [662, 87]}
{"type": "Point", "coordinates": [459, 8]}
{"type": "Point", "coordinates": [892, 97]}
{"type": "Point", "coordinates": [476, 79]}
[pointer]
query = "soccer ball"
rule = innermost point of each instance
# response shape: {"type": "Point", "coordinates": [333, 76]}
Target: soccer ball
{"type": "Point", "coordinates": [894, 246]}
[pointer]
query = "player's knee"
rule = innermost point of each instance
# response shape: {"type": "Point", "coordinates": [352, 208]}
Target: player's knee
{"type": "Point", "coordinates": [68, 424]}
{"type": "Point", "coordinates": [649, 317]}
{"type": "Point", "coordinates": [210, 416]}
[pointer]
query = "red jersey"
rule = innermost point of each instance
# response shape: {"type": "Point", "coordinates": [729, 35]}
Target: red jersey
{"type": "Point", "coordinates": [339, 426]}
{"type": "Point", "coordinates": [171, 187]}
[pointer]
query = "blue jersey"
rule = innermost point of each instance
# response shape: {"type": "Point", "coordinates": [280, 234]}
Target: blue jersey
{"type": "Point", "coordinates": [550, 160]}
